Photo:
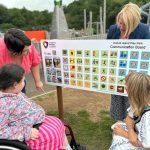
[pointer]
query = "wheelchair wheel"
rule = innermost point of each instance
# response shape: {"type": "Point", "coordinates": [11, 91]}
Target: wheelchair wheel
{"type": "Point", "coordinates": [79, 147]}
{"type": "Point", "coordinates": [13, 145]}
{"type": "Point", "coordinates": [74, 145]}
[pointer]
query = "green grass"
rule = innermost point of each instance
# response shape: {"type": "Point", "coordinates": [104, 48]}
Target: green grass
{"type": "Point", "coordinates": [93, 135]}
{"type": "Point", "coordinates": [40, 98]}
{"type": "Point", "coordinates": [51, 94]}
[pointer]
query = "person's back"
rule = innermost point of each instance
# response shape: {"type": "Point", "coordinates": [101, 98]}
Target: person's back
{"type": "Point", "coordinates": [20, 112]}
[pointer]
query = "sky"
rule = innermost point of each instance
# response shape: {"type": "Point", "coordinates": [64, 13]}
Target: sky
{"type": "Point", "coordinates": [33, 4]}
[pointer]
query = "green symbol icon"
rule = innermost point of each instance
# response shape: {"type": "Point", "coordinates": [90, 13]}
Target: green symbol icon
{"type": "Point", "coordinates": [103, 86]}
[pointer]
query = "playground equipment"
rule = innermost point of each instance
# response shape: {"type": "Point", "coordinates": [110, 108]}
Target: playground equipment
{"type": "Point", "coordinates": [145, 11]}
{"type": "Point", "coordinates": [59, 29]}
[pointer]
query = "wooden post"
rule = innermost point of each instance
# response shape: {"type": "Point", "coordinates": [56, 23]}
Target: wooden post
{"type": "Point", "coordinates": [97, 27]}
{"type": "Point", "coordinates": [104, 17]}
{"type": "Point", "coordinates": [91, 31]}
{"type": "Point", "coordinates": [101, 21]}
{"type": "Point", "coordinates": [84, 20]}
{"type": "Point", "coordinates": [60, 102]}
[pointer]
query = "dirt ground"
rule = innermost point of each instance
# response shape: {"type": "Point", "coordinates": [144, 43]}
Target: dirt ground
{"type": "Point", "coordinates": [73, 100]}
{"type": "Point", "coordinates": [77, 100]}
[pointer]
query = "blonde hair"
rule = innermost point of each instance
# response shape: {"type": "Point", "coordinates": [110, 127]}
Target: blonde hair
{"type": "Point", "coordinates": [138, 87]}
{"type": "Point", "coordinates": [131, 16]}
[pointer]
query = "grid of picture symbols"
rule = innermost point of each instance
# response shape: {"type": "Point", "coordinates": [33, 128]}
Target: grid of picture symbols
{"type": "Point", "coordinates": [102, 70]}
{"type": "Point", "coordinates": [53, 68]}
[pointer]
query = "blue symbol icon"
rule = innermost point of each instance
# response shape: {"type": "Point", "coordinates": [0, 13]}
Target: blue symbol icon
{"type": "Point", "coordinates": [123, 54]}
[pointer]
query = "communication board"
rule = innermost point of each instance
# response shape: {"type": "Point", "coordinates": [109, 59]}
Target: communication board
{"type": "Point", "coordinates": [94, 65]}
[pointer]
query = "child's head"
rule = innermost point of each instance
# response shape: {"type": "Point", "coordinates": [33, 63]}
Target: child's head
{"type": "Point", "coordinates": [12, 77]}
{"type": "Point", "coordinates": [138, 88]}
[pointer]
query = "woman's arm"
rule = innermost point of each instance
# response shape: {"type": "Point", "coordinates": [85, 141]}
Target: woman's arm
{"type": "Point", "coordinates": [113, 32]}
{"type": "Point", "coordinates": [35, 59]}
{"type": "Point", "coordinates": [36, 75]}
{"type": "Point", "coordinates": [109, 34]}
{"type": "Point", "coordinates": [146, 32]}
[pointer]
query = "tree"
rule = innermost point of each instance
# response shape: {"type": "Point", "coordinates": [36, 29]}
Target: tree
{"type": "Point", "coordinates": [4, 14]}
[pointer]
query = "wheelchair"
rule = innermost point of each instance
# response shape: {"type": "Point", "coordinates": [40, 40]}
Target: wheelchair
{"type": "Point", "coordinates": [69, 133]}
{"type": "Point", "coordinates": [13, 145]}
{"type": "Point", "coordinates": [17, 145]}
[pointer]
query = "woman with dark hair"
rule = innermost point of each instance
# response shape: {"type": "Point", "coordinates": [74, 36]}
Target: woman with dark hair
{"type": "Point", "coordinates": [16, 48]}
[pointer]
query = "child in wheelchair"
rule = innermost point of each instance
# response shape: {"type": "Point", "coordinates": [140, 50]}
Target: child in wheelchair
{"type": "Point", "coordinates": [24, 120]}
